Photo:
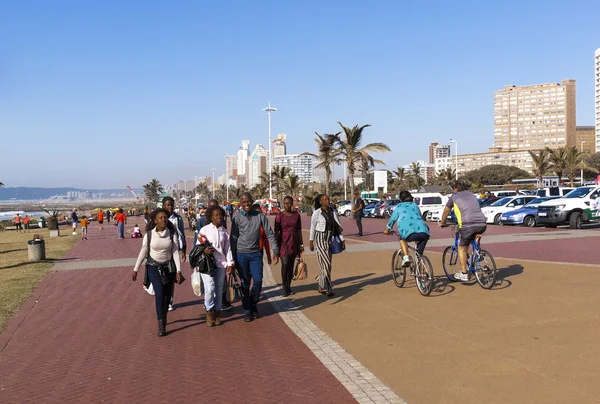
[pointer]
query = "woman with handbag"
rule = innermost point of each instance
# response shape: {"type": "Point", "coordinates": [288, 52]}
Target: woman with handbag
{"type": "Point", "coordinates": [160, 249]}
{"type": "Point", "coordinates": [220, 248]}
{"type": "Point", "coordinates": [288, 233]}
{"type": "Point", "coordinates": [326, 236]}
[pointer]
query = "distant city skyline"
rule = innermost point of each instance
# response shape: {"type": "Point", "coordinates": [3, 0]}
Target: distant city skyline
{"type": "Point", "coordinates": [92, 104]}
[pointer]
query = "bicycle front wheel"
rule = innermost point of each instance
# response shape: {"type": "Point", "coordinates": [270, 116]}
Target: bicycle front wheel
{"type": "Point", "coordinates": [398, 272]}
{"type": "Point", "coordinates": [424, 275]}
{"type": "Point", "coordinates": [450, 262]}
{"type": "Point", "coordinates": [485, 269]}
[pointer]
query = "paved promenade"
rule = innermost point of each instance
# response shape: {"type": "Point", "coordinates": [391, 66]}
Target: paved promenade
{"type": "Point", "coordinates": [89, 336]}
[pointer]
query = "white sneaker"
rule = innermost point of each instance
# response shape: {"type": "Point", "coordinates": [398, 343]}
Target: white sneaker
{"type": "Point", "coordinates": [459, 276]}
{"type": "Point", "coordinates": [74, 233]}
{"type": "Point", "coordinates": [406, 261]}
{"type": "Point", "coordinates": [171, 307]}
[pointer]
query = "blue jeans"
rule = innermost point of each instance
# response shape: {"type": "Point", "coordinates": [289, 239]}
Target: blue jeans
{"type": "Point", "coordinates": [251, 268]}
{"type": "Point", "coordinates": [121, 229]}
{"type": "Point", "coordinates": [162, 293]}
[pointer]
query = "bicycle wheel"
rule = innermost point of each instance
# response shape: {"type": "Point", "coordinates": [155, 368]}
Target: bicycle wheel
{"type": "Point", "coordinates": [450, 262]}
{"type": "Point", "coordinates": [424, 275]}
{"type": "Point", "coordinates": [398, 272]}
{"type": "Point", "coordinates": [485, 269]}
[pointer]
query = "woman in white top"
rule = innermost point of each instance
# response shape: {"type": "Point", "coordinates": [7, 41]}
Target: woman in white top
{"type": "Point", "coordinates": [160, 255]}
{"type": "Point", "coordinates": [215, 234]}
{"type": "Point", "coordinates": [324, 224]}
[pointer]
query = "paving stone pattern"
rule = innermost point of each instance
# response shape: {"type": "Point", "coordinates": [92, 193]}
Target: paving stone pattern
{"type": "Point", "coordinates": [89, 336]}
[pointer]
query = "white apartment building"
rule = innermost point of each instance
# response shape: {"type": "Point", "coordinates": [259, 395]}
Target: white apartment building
{"type": "Point", "coordinates": [242, 157]}
{"type": "Point", "coordinates": [442, 163]}
{"type": "Point", "coordinates": [534, 117]}
{"type": "Point", "coordinates": [231, 164]}
{"type": "Point", "coordinates": [279, 145]}
{"type": "Point", "coordinates": [302, 166]}
{"type": "Point", "coordinates": [597, 96]}
{"type": "Point", "coordinates": [257, 165]}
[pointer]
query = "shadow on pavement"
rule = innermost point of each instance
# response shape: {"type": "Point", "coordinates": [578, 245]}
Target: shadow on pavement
{"type": "Point", "coordinates": [52, 261]}
{"type": "Point", "coordinates": [503, 273]}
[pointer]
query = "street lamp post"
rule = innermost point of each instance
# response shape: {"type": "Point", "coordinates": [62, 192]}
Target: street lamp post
{"type": "Point", "coordinates": [455, 157]}
{"type": "Point", "coordinates": [213, 183]}
{"type": "Point", "coordinates": [270, 109]}
{"type": "Point", "coordinates": [582, 142]}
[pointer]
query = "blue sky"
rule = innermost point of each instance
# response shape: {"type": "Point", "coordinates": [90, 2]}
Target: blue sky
{"type": "Point", "coordinates": [107, 94]}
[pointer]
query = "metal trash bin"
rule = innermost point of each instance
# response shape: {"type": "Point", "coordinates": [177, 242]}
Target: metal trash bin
{"type": "Point", "coordinates": [36, 250]}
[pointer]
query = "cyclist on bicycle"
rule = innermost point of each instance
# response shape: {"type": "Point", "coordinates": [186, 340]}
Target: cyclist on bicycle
{"type": "Point", "coordinates": [411, 226]}
{"type": "Point", "coordinates": [471, 222]}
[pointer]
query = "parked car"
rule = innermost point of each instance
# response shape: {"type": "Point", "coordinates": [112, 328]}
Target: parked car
{"type": "Point", "coordinates": [345, 209]}
{"type": "Point", "coordinates": [525, 216]}
{"type": "Point", "coordinates": [429, 201]}
{"type": "Point", "coordinates": [387, 207]}
{"type": "Point", "coordinates": [340, 203]}
{"type": "Point", "coordinates": [503, 194]}
{"type": "Point", "coordinates": [494, 211]}
{"type": "Point", "coordinates": [377, 209]}
{"type": "Point", "coordinates": [435, 215]}
{"type": "Point", "coordinates": [554, 191]}
{"type": "Point", "coordinates": [368, 210]}
{"type": "Point", "coordinates": [575, 208]}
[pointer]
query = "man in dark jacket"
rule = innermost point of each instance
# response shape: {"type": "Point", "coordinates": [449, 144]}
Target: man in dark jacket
{"type": "Point", "coordinates": [245, 246]}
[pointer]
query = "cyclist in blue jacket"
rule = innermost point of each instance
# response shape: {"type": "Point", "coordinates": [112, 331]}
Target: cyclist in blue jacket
{"type": "Point", "coordinates": [411, 226]}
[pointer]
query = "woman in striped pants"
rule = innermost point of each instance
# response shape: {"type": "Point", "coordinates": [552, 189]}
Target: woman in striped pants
{"type": "Point", "coordinates": [324, 225]}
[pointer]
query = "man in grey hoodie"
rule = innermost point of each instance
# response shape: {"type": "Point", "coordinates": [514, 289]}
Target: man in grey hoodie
{"type": "Point", "coordinates": [245, 246]}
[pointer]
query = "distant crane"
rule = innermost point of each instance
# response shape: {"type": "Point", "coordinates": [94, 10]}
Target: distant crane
{"type": "Point", "coordinates": [134, 194]}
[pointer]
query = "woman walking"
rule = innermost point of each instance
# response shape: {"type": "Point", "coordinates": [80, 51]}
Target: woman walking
{"type": "Point", "coordinates": [160, 249]}
{"type": "Point", "coordinates": [324, 224]}
{"type": "Point", "coordinates": [216, 234]}
{"type": "Point", "coordinates": [121, 220]}
{"type": "Point", "coordinates": [288, 233]}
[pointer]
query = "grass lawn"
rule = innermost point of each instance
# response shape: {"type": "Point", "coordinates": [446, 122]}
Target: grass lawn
{"type": "Point", "coordinates": [18, 276]}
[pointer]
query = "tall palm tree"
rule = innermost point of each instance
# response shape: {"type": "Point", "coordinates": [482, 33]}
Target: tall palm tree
{"type": "Point", "coordinates": [278, 174]}
{"type": "Point", "coordinates": [152, 190]}
{"type": "Point", "coordinates": [576, 161]}
{"type": "Point", "coordinates": [446, 176]}
{"type": "Point", "coordinates": [558, 161]}
{"type": "Point", "coordinates": [327, 155]}
{"type": "Point", "coordinates": [352, 152]}
{"type": "Point", "coordinates": [416, 180]}
{"type": "Point", "coordinates": [291, 184]}
{"type": "Point", "coordinates": [202, 190]}
{"type": "Point", "coordinates": [541, 164]}
{"type": "Point", "coordinates": [260, 191]}
{"type": "Point", "coordinates": [400, 180]}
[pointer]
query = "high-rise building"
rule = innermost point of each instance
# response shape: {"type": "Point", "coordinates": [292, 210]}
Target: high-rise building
{"type": "Point", "coordinates": [597, 98]}
{"type": "Point", "coordinates": [437, 151]}
{"type": "Point", "coordinates": [301, 165]}
{"type": "Point", "coordinates": [257, 165]}
{"type": "Point", "coordinates": [585, 139]}
{"type": "Point", "coordinates": [426, 170]}
{"type": "Point", "coordinates": [534, 117]}
{"type": "Point", "coordinates": [231, 165]}
{"type": "Point", "coordinates": [242, 157]}
{"type": "Point", "coordinates": [279, 145]}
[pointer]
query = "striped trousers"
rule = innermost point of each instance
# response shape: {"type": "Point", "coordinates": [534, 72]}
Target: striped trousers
{"type": "Point", "coordinates": [322, 240]}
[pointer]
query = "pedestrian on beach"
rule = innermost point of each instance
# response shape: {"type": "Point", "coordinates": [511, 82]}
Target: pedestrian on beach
{"type": "Point", "coordinates": [324, 224]}
{"type": "Point", "coordinates": [169, 205]}
{"type": "Point", "coordinates": [18, 223]}
{"type": "Point", "coordinates": [26, 220]}
{"type": "Point", "coordinates": [100, 217]}
{"type": "Point", "coordinates": [245, 244]}
{"type": "Point", "coordinates": [288, 233]}
{"type": "Point", "coordinates": [74, 221]}
{"type": "Point", "coordinates": [121, 220]}
{"type": "Point", "coordinates": [220, 247]}
{"type": "Point", "coordinates": [160, 249]}
{"type": "Point", "coordinates": [84, 227]}
{"type": "Point", "coordinates": [357, 210]}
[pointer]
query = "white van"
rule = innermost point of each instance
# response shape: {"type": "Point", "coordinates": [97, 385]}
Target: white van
{"type": "Point", "coordinates": [429, 201]}
{"type": "Point", "coordinates": [554, 191]}
{"type": "Point", "coordinates": [503, 194]}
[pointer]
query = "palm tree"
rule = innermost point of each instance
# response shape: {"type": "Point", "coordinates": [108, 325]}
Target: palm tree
{"type": "Point", "coordinates": [352, 152]}
{"type": "Point", "coordinates": [291, 184]}
{"type": "Point", "coordinates": [278, 175]}
{"type": "Point", "coordinates": [366, 163]}
{"type": "Point", "coordinates": [558, 162]}
{"type": "Point", "coordinates": [152, 190]}
{"type": "Point", "coordinates": [446, 176]}
{"type": "Point", "coordinates": [576, 161]}
{"type": "Point", "coordinates": [327, 155]}
{"type": "Point", "coordinates": [416, 181]}
{"type": "Point", "coordinates": [260, 191]}
{"type": "Point", "coordinates": [400, 180]}
{"type": "Point", "coordinates": [541, 164]}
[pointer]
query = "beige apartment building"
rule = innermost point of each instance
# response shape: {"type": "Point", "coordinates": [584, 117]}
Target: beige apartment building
{"type": "Point", "coordinates": [529, 118]}
{"type": "Point", "coordinates": [585, 139]}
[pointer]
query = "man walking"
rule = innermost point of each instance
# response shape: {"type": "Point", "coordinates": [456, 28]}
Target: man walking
{"type": "Point", "coordinates": [74, 220]}
{"type": "Point", "coordinates": [357, 210]}
{"type": "Point", "coordinates": [168, 203]}
{"type": "Point", "coordinates": [245, 245]}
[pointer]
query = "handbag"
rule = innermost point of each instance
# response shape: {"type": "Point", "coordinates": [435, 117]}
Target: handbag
{"type": "Point", "coordinates": [301, 270]}
{"type": "Point", "coordinates": [234, 290]}
{"type": "Point", "coordinates": [336, 245]}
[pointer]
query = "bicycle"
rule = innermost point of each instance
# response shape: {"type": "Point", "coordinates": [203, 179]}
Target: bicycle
{"type": "Point", "coordinates": [420, 268]}
{"type": "Point", "coordinates": [479, 261]}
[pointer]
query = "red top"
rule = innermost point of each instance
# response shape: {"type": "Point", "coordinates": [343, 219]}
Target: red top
{"type": "Point", "coordinates": [100, 215]}
{"type": "Point", "coordinates": [120, 217]}
{"type": "Point", "coordinates": [26, 220]}
{"type": "Point", "coordinates": [286, 233]}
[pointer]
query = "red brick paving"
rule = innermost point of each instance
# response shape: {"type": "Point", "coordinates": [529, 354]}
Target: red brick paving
{"type": "Point", "coordinates": [89, 336]}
